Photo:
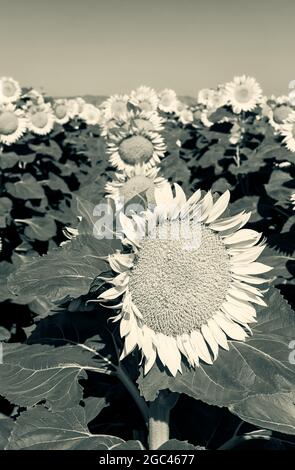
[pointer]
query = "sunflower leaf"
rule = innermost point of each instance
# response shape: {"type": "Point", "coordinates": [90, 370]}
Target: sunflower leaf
{"type": "Point", "coordinates": [40, 429]}
{"type": "Point", "coordinates": [36, 372]}
{"type": "Point", "coordinates": [67, 271]}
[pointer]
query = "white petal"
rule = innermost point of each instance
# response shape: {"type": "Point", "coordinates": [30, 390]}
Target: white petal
{"type": "Point", "coordinates": [163, 195]}
{"type": "Point", "coordinates": [174, 356]}
{"type": "Point", "coordinates": [130, 342]}
{"type": "Point", "coordinates": [112, 293]}
{"type": "Point", "coordinates": [250, 279]}
{"type": "Point", "coordinates": [129, 229]}
{"type": "Point", "coordinates": [252, 268]}
{"type": "Point", "coordinates": [218, 334]}
{"type": "Point", "coordinates": [234, 222]}
{"type": "Point", "coordinates": [189, 349]}
{"type": "Point", "coordinates": [237, 314]}
{"type": "Point", "coordinates": [201, 347]}
{"type": "Point", "coordinates": [206, 332]}
{"type": "Point", "coordinates": [204, 207]}
{"type": "Point", "coordinates": [121, 262]}
{"type": "Point", "coordinates": [232, 330]}
{"type": "Point", "coordinates": [219, 207]}
{"type": "Point", "coordinates": [245, 235]}
{"type": "Point", "coordinates": [188, 206]}
{"type": "Point", "coordinates": [249, 255]}
{"type": "Point", "coordinates": [180, 197]}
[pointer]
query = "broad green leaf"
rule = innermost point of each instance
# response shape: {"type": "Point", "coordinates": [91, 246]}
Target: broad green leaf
{"type": "Point", "coordinates": [50, 149]}
{"type": "Point", "coordinates": [253, 368]}
{"type": "Point", "coordinates": [272, 411]}
{"type": "Point", "coordinates": [39, 228]}
{"type": "Point", "coordinates": [280, 187]}
{"type": "Point", "coordinates": [8, 160]}
{"type": "Point", "coordinates": [174, 444]}
{"type": "Point", "coordinates": [27, 188]}
{"type": "Point", "coordinates": [36, 372]}
{"type": "Point", "coordinates": [93, 406]}
{"type": "Point", "coordinates": [56, 183]}
{"type": "Point", "coordinates": [6, 426]}
{"type": "Point", "coordinates": [40, 429]}
{"type": "Point", "coordinates": [67, 271]}
{"type": "Point", "coordinates": [5, 270]}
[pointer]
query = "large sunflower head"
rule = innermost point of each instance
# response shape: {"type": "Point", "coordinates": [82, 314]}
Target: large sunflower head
{"type": "Point", "coordinates": [145, 98]}
{"type": "Point", "coordinates": [189, 280]}
{"type": "Point", "coordinates": [40, 119]}
{"type": "Point", "coordinates": [10, 90]}
{"type": "Point", "coordinates": [135, 147]}
{"type": "Point", "coordinates": [243, 93]}
{"type": "Point", "coordinates": [132, 182]}
{"type": "Point", "coordinates": [13, 124]}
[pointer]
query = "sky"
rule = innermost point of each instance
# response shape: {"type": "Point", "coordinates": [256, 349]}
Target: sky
{"type": "Point", "coordinates": [102, 47]}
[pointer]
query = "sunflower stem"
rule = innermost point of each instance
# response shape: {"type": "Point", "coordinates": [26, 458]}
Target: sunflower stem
{"type": "Point", "coordinates": [159, 418]}
{"type": "Point", "coordinates": [133, 390]}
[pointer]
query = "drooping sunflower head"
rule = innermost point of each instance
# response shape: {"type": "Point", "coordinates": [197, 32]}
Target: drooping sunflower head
{"type": "Point", "coordinates": [135, 147]}
{"type": "Point", "coordinates": [132, 182]}
{"type": "Point", "coordinates": [13, 124]}
{"type": "Point", "coordinates": [145, 98]}
{"type": "Point", "coordinates": [189, 280]}
{"type": "Point", "coordinates": [40, 119]}
{"type": "Point", "coordinates": [243, 93]}
{"type": "Point", "coordinates": [10, 90]}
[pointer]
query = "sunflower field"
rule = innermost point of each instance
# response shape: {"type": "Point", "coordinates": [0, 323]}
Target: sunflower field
{"type": "Point", "coordinates": [147, 270]}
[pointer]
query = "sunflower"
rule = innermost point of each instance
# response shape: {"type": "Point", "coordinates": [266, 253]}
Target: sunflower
{"type": "Point", "coordinates": [33, 97]}
{"type": "Point", "coordinates": [13, 123]}
{"type": "Point", "coordinates": [189, 279]}
{"type": "Point", "coordinates": [116, 107]}
{"type": "Point", "coordinates": [40, 119]}
{"type": "Point", "coordinates": [279, 115]}
{"type": "Point", "coordinates": [168, 100]}
{"type": "Point", "coordinates": [204, 96]}
{"type": "Point", "coordinates": [135, 146]}
{"type": "Point", "coordinates": [243, 93]}
{"type": "Point", "coordinates": [80, 102]}
{"type": "Point", "coordinates": [145, 98]}
{"type": "Point", "coordinates": [186, 116]}
{"type": "Point", "coordinates": [61, 111]}
{"type": "Point", "coordinates": [90, 114]}
{"type": "Point", "coordinates": [10, 90]}
{"type": "Point", "coordinates": [287, 130]}
{"type": "Point", "coordinates": [140, 120]}
{"type": "Point", "coordinates": [73, 108]}
{"type": "Point", "coordinates": [133, 181]}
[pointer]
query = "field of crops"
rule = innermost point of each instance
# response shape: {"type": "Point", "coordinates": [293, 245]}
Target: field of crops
{"type": "Point", "coordinates": [147, 269]}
